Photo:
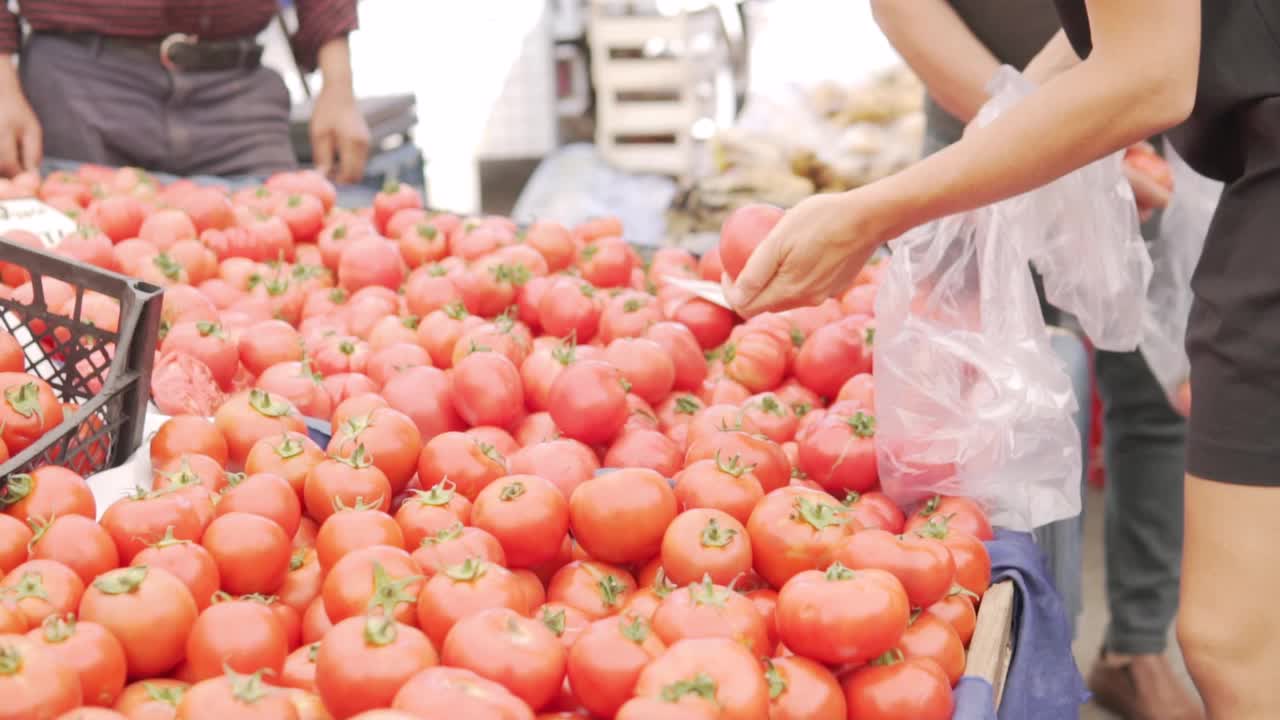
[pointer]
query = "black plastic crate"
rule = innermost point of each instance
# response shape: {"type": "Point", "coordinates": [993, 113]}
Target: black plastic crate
{"type": "Point", "coordinates": [107, 374]}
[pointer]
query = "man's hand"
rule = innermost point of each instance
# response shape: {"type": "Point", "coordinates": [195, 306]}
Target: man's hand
{"type": "Point", "coordinates": [339, 135]}
{"type": "Point", "coordinates": [20, 135]}
{"type": "Point", "coordinates": [1150, 177]}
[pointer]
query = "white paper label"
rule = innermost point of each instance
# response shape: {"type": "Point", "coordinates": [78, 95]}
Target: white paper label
{"type": "Point", "coordinates": [35, 217]}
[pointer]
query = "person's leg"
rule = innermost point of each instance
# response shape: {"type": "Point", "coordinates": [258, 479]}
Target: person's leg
{"type": "Point", "coordinates": [1143, 449]}
{"type": "Point", "coordinates": [1229, 626]}
{"type": "Point", "coordinates": [233, 122]}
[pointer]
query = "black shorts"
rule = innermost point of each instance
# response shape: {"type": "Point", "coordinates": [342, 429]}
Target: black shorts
{"type": "Point", "coordinates": [1233, 336]}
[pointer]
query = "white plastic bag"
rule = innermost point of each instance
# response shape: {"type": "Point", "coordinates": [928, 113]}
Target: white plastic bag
{"type": "Point", "coordinates": [1174, 255]}
{"type": "Point", "coordinates": [971, 399]}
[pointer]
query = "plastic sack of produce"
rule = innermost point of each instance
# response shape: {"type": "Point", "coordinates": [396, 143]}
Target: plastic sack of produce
{"type": "Point", "coordinates": [971, 399]}
{"type": "Point", "coordinates": [1174, 256]}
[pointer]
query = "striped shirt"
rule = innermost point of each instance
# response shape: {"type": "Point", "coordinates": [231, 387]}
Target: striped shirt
{"type": "Point", "coordinates": [319, 21]}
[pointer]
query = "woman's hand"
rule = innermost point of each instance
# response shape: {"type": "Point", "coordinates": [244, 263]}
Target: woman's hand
{"type": "Point", "coordinates": [813, 253]}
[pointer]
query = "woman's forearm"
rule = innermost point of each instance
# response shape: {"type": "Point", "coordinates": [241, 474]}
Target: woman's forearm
{"type": "Point", "coordinates": [1139, 80]}
{"type": "Point", "coordinates": [1054, 58]}
{"type": "Point", "coordinates": [951, 62]}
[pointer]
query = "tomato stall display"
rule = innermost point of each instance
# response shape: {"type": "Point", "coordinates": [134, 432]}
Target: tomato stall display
{"type": "Point", "coordinates": [556, 483]}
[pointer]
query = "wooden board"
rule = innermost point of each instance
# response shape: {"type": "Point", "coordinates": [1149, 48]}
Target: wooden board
{"type": "Point", "coordinates": [991, 649]}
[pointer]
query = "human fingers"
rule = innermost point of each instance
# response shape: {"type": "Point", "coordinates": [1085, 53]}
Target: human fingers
{"type": "Point", "coordinates": [32, 141]}
{"type": "Point", "coordinates": [761, 268]}
{"type": "Point", "coordinates": [354, 155]}
{"type": "Point", "coordinates": [1147, 192]}
{"type": "Point", "coordinates": [9, 163]}
{"type": "Point", "coordinates": [322, 150]}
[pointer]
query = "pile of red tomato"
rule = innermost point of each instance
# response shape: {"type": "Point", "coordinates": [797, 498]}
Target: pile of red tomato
{"type": "Point", "coordinates": [557, 486]}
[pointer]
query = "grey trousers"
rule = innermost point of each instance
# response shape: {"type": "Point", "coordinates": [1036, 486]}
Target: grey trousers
{"type": "Point", "coordinates": [115, 106]}
{"type": "Point", "coordinates": [1143, 439]}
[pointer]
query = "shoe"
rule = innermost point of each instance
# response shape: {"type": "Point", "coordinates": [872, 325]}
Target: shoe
{"type": "Point", "coordinates": [1142, 687]}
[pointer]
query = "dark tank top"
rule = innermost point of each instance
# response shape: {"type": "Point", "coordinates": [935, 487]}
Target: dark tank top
{"type": "Point", "coordinates": [1239, 66]}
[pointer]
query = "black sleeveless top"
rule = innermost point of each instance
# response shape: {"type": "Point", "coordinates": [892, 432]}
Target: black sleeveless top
{"type": "Point", "coordinates": [1239, 65]}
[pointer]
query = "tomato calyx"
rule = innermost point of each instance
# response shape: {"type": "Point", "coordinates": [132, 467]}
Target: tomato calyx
{"type": "Point", "coordinates": [268, 406]}
{"type": "Point", "coordinates": [515, 274]}
{"type": "Point", "coordinates": [388, 593]}
{"type": "Point", "coordinates": [687, 405]}
{"type": "Point", "coordinates": [359, 458]}
{"type": "Point", "coordinates": [312, 651]}
{"type": "Point", "coordinates": [610, 588]}
{"type": "Point", "coordinates": [777, 683]}
{"type": "Point", "coordinates": [662, 585]}
{"type": "Point", "coordinates": [391, 187]}
{"type": "Point", "coordinates": [511, 491]}
{"type": "Point", "coordinates": [261, 599]}
{"type": "Point", "coordinates": [770, 405]}
{"type": "Point", "coordinates": [869, 337]}
{"type": "Point", "coordinates": [491, 452]}
{"type": "Point", "coordinates": [358, 506]}
{"type": "Point", "coordinates": [713, 535]}
{"type": "Point", "coordinates": [468, 570]}
{"type": "Point", "coordinates": [589, 252]}
{"type": "Point", "coordinates": [728, 353]}
{"type": "Point", "coordinates": [288, 447]}
{"type": "Point", "coordinates": [168, 540]}
{"type": "Point", "coordinates": [18, 487]}
{"type": "Point", "coordinates": [587, 290]}
{"type": "Point", "coordinates": [233, 479]}
{"type": "Point", "coordinates": [798, 474]}
{"type": "Point", "coordinates": [167, 266]}
{"type": "Point", "coordinates": [837, 572]}
{"type": "Point", "coordinates": [24, 399]}
{"type": "Point", "coordinates": [57, 629]}
{"type": "Point", "coordinates": [410, 321]}
{"type": "Point", "coordinates": [930, 506]}
{"type": "Point", "coordinates": [553, 620]}
{"type": "Point", "coordinates": [706, 592]}
{"type": "Point", "coordinates": [39, 526]}
{"type": "Point", "coordinates": [439, 495]}
{"type": "Point", "coordinates": [171, 695]}
{"type": "Point", "coordinates": [625, 383]}
{"type": "Point", "coordinates": [183, 476]}
{"type": "Point", "coordinates": [801, 409]}
{"type": "Point", "coordinates": [380, 630]}
{"type": "Point", "coordinates": [637, 630]}
{"type": "Point", "coordinates": [566, 352]}
{"type": "Point", "coordinates": [891, 657]}
{"type": "Point", "coordinates": [207, 328]}
{"type": "Point", "coordinates": [701, 685]}
{"type": "Point", "coordinates": [10, 660]}
{"type": "Point", "coordinates": [247, 689]}
{"type": "Point", "coordinates": [426, 231]}
{"type": "Point", "coordinates": [797, 337]}
{"type": "Point", "coordinates": [938, 527]}
{"type": "Point", "coordinates": [733, 466]}
{"type": "Point", "coordinates": [297, 559]}
{"type": "Point", "coordinates": [338, 296]}
{"type": "Point", "coordinates": [221, 596]}
{"type": "Point", "coordinates": [354, 426]}
{"type": "Point", "coordinates": [456, 311]}
{"type": "Point", "coordinates": [30, 585]}
{"type": "Point", "coordinates": [123, 581]}
{"type": "Point", "coordinates": [864, 425]}
{"type": "Point", "coordinates": [963, 592]}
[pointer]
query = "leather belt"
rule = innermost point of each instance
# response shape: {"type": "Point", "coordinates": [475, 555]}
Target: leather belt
{"type": "Point", "coordinates": [180, 52]}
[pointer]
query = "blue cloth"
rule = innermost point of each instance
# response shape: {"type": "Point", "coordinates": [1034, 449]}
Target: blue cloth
{"type": "Point", "coordinates": [1044, 682]}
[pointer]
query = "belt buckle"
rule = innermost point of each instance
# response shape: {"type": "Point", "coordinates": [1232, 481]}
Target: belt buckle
{"type": "Point", "coordinates": [167, 45]}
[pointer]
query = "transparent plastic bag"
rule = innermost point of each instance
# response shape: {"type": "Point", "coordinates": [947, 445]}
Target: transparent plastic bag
{"type": "Point", "coordinates": [971, 398]}
{"type": "Point", "coordinates": [1174, 255]}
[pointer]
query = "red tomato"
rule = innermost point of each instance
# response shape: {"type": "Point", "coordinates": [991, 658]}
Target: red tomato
{"type": "Point", "coordinates": [565, 463]}
{"type": "Point", "coordinates": [421, 243]}
{"type": "Point", "coordinates": [163, 228]}
{"type": "Point", "coordinates": [628, 314]}
{"type": "Point", "coordinates": [706, 543]}
{"type": "Point", "coordinates": [252, 553]}
{"type": "Point", "coordinates": [841, 615]}
{"type": "Point", "coordinates": [28, 411]}
{"type": "Point", "coordinates": [290, 455]}
{"type": "Point", "coordinates": [444, 692]}
{"type": "Point", "coordinates": [756, 361]}
{"type": "Point", "coordinates": [645, 449]}
{"type": "Point", "coordinates": [767, 460]}
{"type": "Point", "coordinates": [728, 487]}
{"type": "Point", "coordinates": [934, 638]}
{"type": "Point", "coordinates": [47, 492]}
{"type": "Point", "coordinates": [454, 456]}
{"type": "Point", "coordinates": [645, 365]}
{"type": "Point", "coordinates": [380, 577]}
{"type": "Point", "coordinates": [588, 402]}
{"type": "Point", "coordinates": [304, 214]}
{"type": "Point", "coordinates": [425, 395]}
{"type": "Point", "coordinates": [148, 610]}
{"type": "Point", "coordinates": [154, 699]}
{"type": "Point", "coordinates": [391, 439]}
{"type": "Point", "coordinates": [570, 308]}
{"type": "Point", "coordinates": [248, 416]}
{"type": "Point", "coordinates": [41, 588]}
{"type": "Point", "coordinates": [801, 689]}
{"type": "Point", "coordinates": [685, 353]}
{"type": "Point", "coordinates": [463, 590]}
{"type": "Point", "coordinates": [598, 590]}
{"type": "Point", "coordinates": [795, 529]}
{"type": "Point", "coordinates": [77, 542]}
{"type": "Point", "coordinates": [188, 562]}
{"type": "Point", "coordinates": [454, 545]}
{"type": "Point", "coordinates": [636, 499]}
{"type": "Point", "coordinates": [553, 241]}
{"type": "Point", "coordinates": [957, 609]}
{"type": "Point", "coordinates": [718, 670]}
{"type": "Point", "coordinates": [515, 651]}
{"type": "Point", "coordinates": [892, 687]}
{"type": "Point", "coordinates": [429, 288]}
{"type": "Point", "coordinates": [242, 635]}
{"type": "Point", "coordinates": [564, 621]}
{"type": "Point", "coordinates": [527, 514]}
{"type": "Point", "coordinates": [834, 353]}
{"type": "Point", "coordinates": [487, 390]}
{"type": "Point", "coordinates": [709, 323]}
{"type": "Point", "coordinates": [37, 683]}
{"type": "Point", "coordinates": [744, 229]}
{"type": "Point", "coordinates": [923, 565]}
{"type": "Point", "coordinates": [605, 662]}
{"type": "Point", "coordinates": [395, 196]}
{"type": "Point", "coordinates": [187, 434]}
{"type": "Point", "coordinates": [142, 518]}
{"type": "Point", "coordinates": [972, 560]}
{"type": "Point", "coordinates": [264, 494]}
{"type": "Point", "coordinates": [962, 515]}
{"type": "Point", "coordinates": [347, 481]}
{"type": "Point", "coordinates": [839, 452]}
{"type": "Point", "coordinates": [607, 262]}
{"type": "Point", "coordinates": [365, 660]}
{"type": "Point", "coordinates": [14, 537]}
{"type": "Point", "coordinates": [874, 510]}
{"type": "Point", "coordinates": [370, 261]}
{"type": "Point", "coordinates": [705, 610]}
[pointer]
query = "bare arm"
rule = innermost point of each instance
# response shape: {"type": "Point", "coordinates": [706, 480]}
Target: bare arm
{"type": "Point", "coordinates": [1056, 57]}
{"type": "Point", "coordinates": [951, 62]}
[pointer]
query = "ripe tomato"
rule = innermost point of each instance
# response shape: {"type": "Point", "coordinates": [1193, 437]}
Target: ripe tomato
{"type": "Point", "coordinates": [874, 509]}
{"type": "Point", "coordinates": [244, 697]}
{"type": "Point", "coordinates": [453, 546]}
{"type": "Point", "coordinates": [155, 699]}
{"type": "Point", "coordinates": [686, 354]}
{"type": "Point", "coordinates": [755, 360]}
{"type": "Point", "coordinates": [605, 662]}
{"type": "Point", "coordinates": [264, 494]}
{"type": "Point", "coordinates": [462, 590]}
{"type": "Point", "coordinates": [252, 553]}
{"type": "Point", "coordinates": [956, 609]}
{"type": "Point", "coordinates": [457, 457]}
{"type": "Point", "coordinates": [705, 543]}
{"type": "Point", "coordinates": [644, 602]}
{"type": "Point", "coordinates": [931, 637]}
{"type": "Point", "coordinates": [715, 669]}
{"type": "Point", "coordinates": [370, 262]}
{"type": "Point", "coordinates": [744, 229]}
{"type": "Point", "coordinates": [645, 365]}
{"type": "Point", "coordinates": [163, 228]}
{"type": "Point", "coordinates": [302, 584]}
{"type": "Point", "coordinates": [704, 609]}
{"type": "Point", "coordinates": [300, 668]}
{"type": "Point", "coordinates": [923, 565]}
{"type": "Point", "coordinates": [391, 359]}
{"type": "Point", "coordinates": [390, 437]}
{"type": "Point", "coordinates": [379, 578]}
{"type": "Point", "coordinates": [304, 214]}
{"type": "Point", "coordinates": [795, 529]}
{"type": "Point", "coordinates": [570, 308]}
{"type": "Point", "coordinates": [354, 528]}
{"type": "Point", "coordinates": [290, 455]}
{"type": "Point", "coordinates": [620, 517]}
{"type": "Point", "coordinates": [90, 650]}
{"type": "Point", "coordinates": [564, 621]}
{"type": "Point", "coordinates": [47, 492]}
{"type": "Point", "coordinates": [12, 358]}
{"type": "Point", "coordinates": [187, 561]}
{"type": "Point", "coordinates": [365, 660]}
{"type": "Point", "coordinates": [248, 416]}
{"type": "Point", "coordinates": [137, 520]}
{"type": "Point", "coordinates": [148, 610]}
{"type": "Point", "coordinates": [425, 395]}
{"type": "Point", "coordinates": [187, 435]}
{"type": "Point", "coordinates": [28, 411]}
{"type": "Point", "coordinates": [429, 289]}
{"type": "Point", "coordinates": [645, 448]}
{"type": "Point", "coordinates": [962, 514]}
{"type": "Point", "coordinates": [839, 452]}
{"type": "Point", "coordinates": [841, 615]}
{"type": "Point", "coordinates": [269, 343]}
{"type": "Point", "coordinates": [426, 512]}
{"type": "Point", "coordinates": [14, 537]}
{"type": "Point", "coordinates": [347, 481]}
{"type": "Point", "coordinates": [35, 683]}
{"type": "Point", "coordinates": [891, 687]}
{"type": "Point", "coordinates": [719, 418]}
{"type": "Point", "coordinates": [598, 590]}
{"type": "Point", "coordinates": [727, 487]}
{"type": "Point", "coordinates": [76, 542]}
{"type": "Point", "coordinates": [606, 262]}
{"type": "Point", "coordinates": [834, 353]}
{"type": "Point", "coordinates": [487, 390]}
{"type": "Point", "coordinates": [539, 371]}
{"type": "Point", "coordinates": [118, 216]}
{"type": "Point", "coordinates": [445, 692]}
{"type": "Point", "coordinates": [242, 635]}
{"type": "Point", "coordinates": [971, 558]}
{"type": "Point", "coordinates": [801, 689]}
{"type": "Point", "coordinates": [565, 463]}
{"type": "Point", "coordinates": [394, 197]}
{"type": "Point", "coordinates": [628, 315]}
{"type": "Point", "coordinates": [553, 242]}
{"type": "Point", "coordinates": [655, 708]}
{"type": "Point", "coordinates": [527, 514]}
{"type": "Point", "coordinates": [315, 624]}
{"type": "Point", "coordinates": [515, 651]}
{"type": "Point", "coordinates": [208, 343]}
{"type": "Point", "coordinates": [421, 243]}
{"type": "Point", "coordinates": [709, 323]}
